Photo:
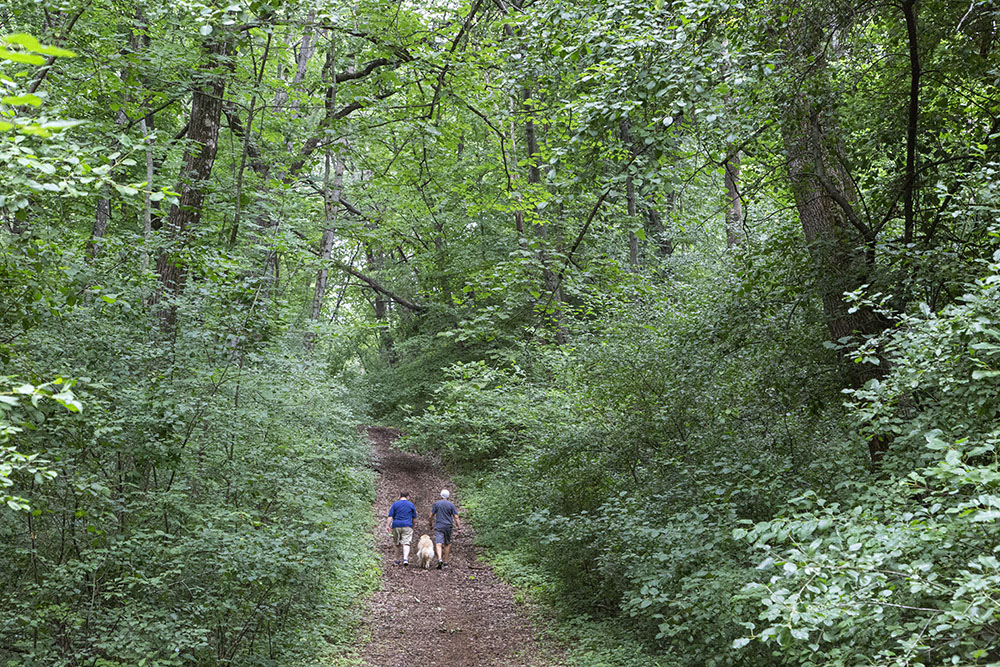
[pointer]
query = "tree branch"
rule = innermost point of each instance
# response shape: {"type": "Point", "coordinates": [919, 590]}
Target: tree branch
{"type": "Point", "coordinates": [373, 284]}
{"type": "Point", "coordinates": [44, 71]}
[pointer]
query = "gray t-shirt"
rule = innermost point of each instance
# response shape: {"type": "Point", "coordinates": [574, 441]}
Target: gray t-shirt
{"type": "Point", "coordinates": [444, 513]}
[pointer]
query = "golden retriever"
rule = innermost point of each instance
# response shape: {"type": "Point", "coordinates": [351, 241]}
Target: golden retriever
{"type": "Point", "coordinates": [425, 552]}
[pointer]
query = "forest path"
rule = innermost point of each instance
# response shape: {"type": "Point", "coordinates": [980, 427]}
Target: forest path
{"type": "Point", "coordinates": [463, 616]}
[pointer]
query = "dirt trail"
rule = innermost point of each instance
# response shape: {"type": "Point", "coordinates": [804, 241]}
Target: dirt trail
{"type": "Point", "coordinates": [463, 616]}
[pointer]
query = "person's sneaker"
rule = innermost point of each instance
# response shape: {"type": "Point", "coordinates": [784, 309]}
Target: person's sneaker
{"type": "Point", "coordinates": [397, 562]}
{"type": "Point", "coordinates": [440, 565]}
{"type": "Point", "coordinates": [405, 563]}
{"type": "Point", "coordinates": [444, 565]}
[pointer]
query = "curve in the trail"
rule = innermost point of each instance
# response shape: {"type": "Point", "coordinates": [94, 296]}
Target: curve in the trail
{"type": "Point", "coordinates": [464, 616]}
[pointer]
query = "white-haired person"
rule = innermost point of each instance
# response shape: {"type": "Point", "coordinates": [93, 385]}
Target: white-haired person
{"type": "Point", "coordinates": [443, 520]}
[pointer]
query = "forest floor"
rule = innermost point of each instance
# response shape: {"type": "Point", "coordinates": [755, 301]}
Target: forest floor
{"type": "Point", "coordinates": [462, 616]}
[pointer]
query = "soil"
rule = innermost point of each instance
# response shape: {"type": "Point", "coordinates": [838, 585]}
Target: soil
{"type": "Point", "coordinates": [462, 616]}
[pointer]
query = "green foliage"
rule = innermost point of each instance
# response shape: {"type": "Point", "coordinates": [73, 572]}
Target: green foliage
{"type": "Point", "coordinates": [211, 501]}
{"type": "Point", "coordinates": [615, 470]}
{"type": "Point", "coordinates": [14, 418]}
{"type": "Point", "coordinates": [590, 252]}
{"type": "Point", "coordinates": [907, 573]}
{"type": "Point", "coordinates": [479, 413]}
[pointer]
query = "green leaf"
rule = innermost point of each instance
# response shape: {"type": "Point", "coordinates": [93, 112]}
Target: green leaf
{"type": "Point", "coordinates": [57, 51]}
{"type": "Point", "coordinates": [24, 40]}
{"type": "Point", "coordinates": [29, 43]}
{"type": "Point", "coordinates": [20, 100]}
{"type": "Point", "coordinates": [27, 58]}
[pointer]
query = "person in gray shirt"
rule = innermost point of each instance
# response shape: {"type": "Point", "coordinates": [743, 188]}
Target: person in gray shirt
{"type": "Point", "coordinates": [444, 519]}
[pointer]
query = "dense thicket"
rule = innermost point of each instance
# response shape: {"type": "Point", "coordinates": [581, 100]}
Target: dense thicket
{"type": "Point", "coordinates": [700, 298]}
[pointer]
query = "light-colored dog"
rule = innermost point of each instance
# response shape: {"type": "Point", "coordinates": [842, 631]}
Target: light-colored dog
{"type": "Point", "coordinates": [425, 552]}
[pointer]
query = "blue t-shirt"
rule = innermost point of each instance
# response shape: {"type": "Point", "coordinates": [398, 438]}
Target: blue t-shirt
{"type": "Point", "coordinates": [403, 513]}
{"type": "Point", "coordinates": [444, 514]}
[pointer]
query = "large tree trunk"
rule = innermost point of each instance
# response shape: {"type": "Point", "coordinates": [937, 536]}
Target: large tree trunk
{"type": "Point", "coordinates": [842, 245]}
{"type": "Point", "coordinates": [203, 133]}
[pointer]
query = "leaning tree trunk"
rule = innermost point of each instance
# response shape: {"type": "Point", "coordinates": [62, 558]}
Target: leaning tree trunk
{"type": "Point", "coordinates": [203, 133]}
{"type": "Point", "coordinates": [840, 242]}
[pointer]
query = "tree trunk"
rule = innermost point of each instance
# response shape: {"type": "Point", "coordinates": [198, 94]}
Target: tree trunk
{"type": "Point", "coordinates": [655, 228]}
{"type": "Point", "coordinates": [332, 189]}
{"type": "Point", "coordinates": [841, 245]}
{"type": "Point", "coordinates": [101, 216]}
{"type": "Point", "coordinates": [147, 209]}
{"type": "Point", "coordinates": [824, 197]}
{"type": "Point", "coordinates": [203, 131]}
{"type": "Point", "coordinates": [633, 238]}
{"type": "Point", "coordinates": [550, 278]}
{"type": "Point", "coordinates": [734, 213]}
{"type": "Point", "coordinates": [306, 50]}
{"type": "Point", "coordinates": [913, 110]}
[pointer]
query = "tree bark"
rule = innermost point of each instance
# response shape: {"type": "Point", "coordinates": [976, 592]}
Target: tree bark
{"type": "Point", "coordinates": [331, 195]}
{"type": "Point", "coordinates": [841, 245]}
{"type": "Point", "coordinates": [655, 229]}
{"type": "Point", "coordinates": [101, 216]}
{"type": "Point", "coordinates": [147, 208]}
{"type": "Point", "coordinates": [824, 197]}
{"type": "Point", "coordinates": [909, 183]}
{"type": "Point", "coordinates": [203, 132]}
{"type": "Point", "coordinates": [633, 238]}
{"type": "Point", "coordinates": [734, 213]}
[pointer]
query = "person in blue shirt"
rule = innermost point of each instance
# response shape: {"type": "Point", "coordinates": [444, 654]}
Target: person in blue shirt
{"type": "Point", "coordinates": [444, 517]}
{"type": "Point", "coordinates": [400, 525]}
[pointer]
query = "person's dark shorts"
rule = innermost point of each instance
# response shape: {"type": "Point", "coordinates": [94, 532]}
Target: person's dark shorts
{"type": "Point", "coordinates": [442, 536]}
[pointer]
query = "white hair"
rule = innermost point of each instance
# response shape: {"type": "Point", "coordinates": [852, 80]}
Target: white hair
{"type": "Point", "coordinates": [444, 493]}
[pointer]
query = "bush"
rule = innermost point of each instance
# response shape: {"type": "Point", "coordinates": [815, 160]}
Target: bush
{"type": "Point", "coordinates": [210, 497]}
{"type": "Point", "coordinates": [908, 572]}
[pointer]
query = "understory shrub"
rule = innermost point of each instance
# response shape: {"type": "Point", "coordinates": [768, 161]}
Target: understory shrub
{"type": "Point", "coordinates": [209, 492]}
{"type": "Point", "coordinates": [908, 573]}
{"type": "Point", "coordinates": [617, 468]}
